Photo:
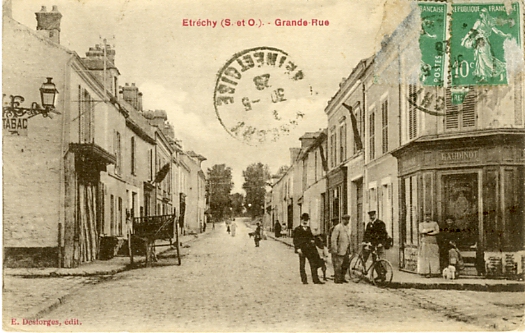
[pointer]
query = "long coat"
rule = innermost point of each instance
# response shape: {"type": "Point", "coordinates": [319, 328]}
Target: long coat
{"type": "Point", "coordinates": [340, 240]}
{"type": "Point", "coordinates": [304, 240]}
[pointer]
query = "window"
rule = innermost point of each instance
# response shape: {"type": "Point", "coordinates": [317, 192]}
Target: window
{"type": "Point", "coordinates": [86, 116]}
{"type": "Point", "coordinates": [342, 142]}
{"type": "Point", "coordinates": [412, 113]}
{"type": "Point", "coordinates": [332, 150]}
{"type": "Point", "coordinates": [461, 116]}
{"type": "Point", "coordinates": [305, 173]}
{"type": "Point", "coordinates": [112, 214]}
{"type": "Point", "coordinates": [133, 166]}
{"type": "Point", "coordinates": [384, 118]}
{"type": "Point", "coordinates": [119, 216]}
{"type": "Point", "coordinates": [316, 166]}
{"type": "Point", "coordinates": [372, 134]}
{"type": "Point", "coordinates": [118, 154]}
{"type": "Point", "coordinates": [360, 126]}
{"type": "Point", "coordinates": [150, 163]}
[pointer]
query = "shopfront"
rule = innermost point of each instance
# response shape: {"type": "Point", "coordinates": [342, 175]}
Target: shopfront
{"type": "Point", "coordinates": [478, 184]}
{"type": "Point", "coordinates": [337, 195]}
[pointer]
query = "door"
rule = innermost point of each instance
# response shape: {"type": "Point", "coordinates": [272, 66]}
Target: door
{"type": "Point", "coordinates": [461, 199]}
{"type": "Point", "coordinates": [460, 194]}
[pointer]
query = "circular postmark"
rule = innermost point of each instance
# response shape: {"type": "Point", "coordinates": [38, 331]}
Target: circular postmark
{"type": "Point", "coordinates": [258, 94]}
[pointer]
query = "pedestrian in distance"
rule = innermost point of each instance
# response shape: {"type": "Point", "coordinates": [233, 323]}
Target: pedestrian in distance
{"type": "Point", "coordinates": [304, 244]}
{"type": "Point", "coordinates": [233, 228]}
{"type": "Point", "coordinates": [257, 235]}
{"type": "Point", "coordinates": [428, 252]}
{"type": "Point", "coordinates": [277, 229]}
{"type": "Point", "coordinates": [340, 249]}
{"type": "Point", "coordinates": [323, 252]}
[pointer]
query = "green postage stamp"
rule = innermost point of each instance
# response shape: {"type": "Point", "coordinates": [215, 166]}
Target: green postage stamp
{"type": "Point", "coordinates": [432, 42]}
{"type": "Point", "coordinates": [481, 34]}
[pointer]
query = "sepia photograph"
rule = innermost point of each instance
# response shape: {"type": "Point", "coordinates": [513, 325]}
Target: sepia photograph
{"type": "Point", "coordinates": [219, 166]}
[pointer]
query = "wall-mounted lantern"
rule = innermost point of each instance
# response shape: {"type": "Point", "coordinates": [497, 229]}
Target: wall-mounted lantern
{"type": "Point", "coordinates": [48, 92]}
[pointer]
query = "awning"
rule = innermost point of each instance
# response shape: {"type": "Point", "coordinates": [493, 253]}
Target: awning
{"type": "Point", "coordinates": [93, 151]}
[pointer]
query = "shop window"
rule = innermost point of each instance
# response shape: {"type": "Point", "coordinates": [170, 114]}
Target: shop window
{"type": "Point", "coordinates": [410, 235]}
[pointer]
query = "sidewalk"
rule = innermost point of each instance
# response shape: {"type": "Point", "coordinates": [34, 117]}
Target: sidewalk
{"type": "Point", "coordinates": [404, 280]}
{"type": "Point", "coordinates": [31, 293]}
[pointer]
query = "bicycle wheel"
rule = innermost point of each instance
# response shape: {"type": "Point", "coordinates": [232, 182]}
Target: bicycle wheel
{"type": "Point", "coordinates": [382, 273]}
{"type": "Point", "coordinates": [357, 269]}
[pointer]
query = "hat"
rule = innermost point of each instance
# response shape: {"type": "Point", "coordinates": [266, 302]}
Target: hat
{"type": "Point", "coordinates": [346, 217]}
{"type": "Point", "coordinates": [305, 216]}
{"type": "Point", "coordinates": [372, 212]}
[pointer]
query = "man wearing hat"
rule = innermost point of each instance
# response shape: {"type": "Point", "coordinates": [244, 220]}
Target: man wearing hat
{"type": "Point", "coordinates": [375, 234]}
{"type": "Point", "coordinates": [304, 243]}
{"type": "Point", "coordinates": [340, 249]}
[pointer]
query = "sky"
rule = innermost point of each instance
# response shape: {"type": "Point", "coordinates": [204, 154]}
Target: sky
{"type": "Point", "coordinates": [176, 66]}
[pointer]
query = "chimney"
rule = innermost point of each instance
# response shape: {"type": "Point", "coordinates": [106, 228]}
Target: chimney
{"type": "Point", "coordinates": [131, 95]}
{"type": "Point", "coordinates": [49, 22]}
{"type": "Point", "coordinates": [110, 54]}
{"type": "Point", "coordinates": [308, 139]}
{"type": "Point", "coordinates": [139, 102]}
{"type": "Point", "coordinates": [294, 152]}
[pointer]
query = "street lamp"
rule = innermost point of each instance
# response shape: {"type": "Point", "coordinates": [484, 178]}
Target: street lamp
{"type": "Point", "coordinates": [48, 92]}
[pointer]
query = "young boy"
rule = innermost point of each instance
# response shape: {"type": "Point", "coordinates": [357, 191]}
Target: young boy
{"type": "Point", "coordinates": [323, 252]}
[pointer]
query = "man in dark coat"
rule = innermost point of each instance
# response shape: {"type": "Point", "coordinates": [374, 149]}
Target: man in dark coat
{"type": "Point", "coordinates": [277, 229]}
{"type": "Point", "coordinates": [375, 234]}
{"type": "Point", "coordinates": [304, 243]}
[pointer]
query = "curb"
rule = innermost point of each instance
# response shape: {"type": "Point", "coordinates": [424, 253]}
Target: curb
{"type": "Point", "coordinates": [511, 287]}
{"type": "Point", "coordinates": [114, 271]}
{"type": "Point", "coordinates": [41, 310]}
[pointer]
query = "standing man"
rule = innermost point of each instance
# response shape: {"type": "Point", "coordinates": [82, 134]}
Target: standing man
{"type": "Point", "coordinates": [304, 243]}
{"type": "Point", "coordinates": [340, 249]}
{"type": "Point", "coordinates": [375, 234]}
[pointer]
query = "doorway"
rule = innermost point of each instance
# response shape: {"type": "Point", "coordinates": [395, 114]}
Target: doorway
{"type": "Point", "coordinates": [460, 194]}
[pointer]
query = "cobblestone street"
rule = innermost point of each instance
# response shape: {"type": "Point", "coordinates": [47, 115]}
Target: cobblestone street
{"type": "Point", "coordinates": [225, 283]}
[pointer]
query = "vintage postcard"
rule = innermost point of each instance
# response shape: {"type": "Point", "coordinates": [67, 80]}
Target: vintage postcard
{"type": "Point", "coordinates": [281, 166]}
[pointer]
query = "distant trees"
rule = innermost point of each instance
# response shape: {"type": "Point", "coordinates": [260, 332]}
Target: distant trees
{"type": "Point", "coordinates": [256, 178]}
{"type": "Point", "coordinates": [237, 200]}
{"type": "Point", "coordinates": [218, 186]}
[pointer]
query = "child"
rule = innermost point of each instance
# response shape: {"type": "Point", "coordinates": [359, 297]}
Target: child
{"type": "Point", "coordinates": [323, 253]}
{"type": "Point", "coordinates": [454, 257]}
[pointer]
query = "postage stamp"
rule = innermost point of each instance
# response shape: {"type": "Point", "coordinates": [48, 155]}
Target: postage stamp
{"type": "Point", "coordinates": [482, 34]}
{"type": "Point", "coordinates": [432, 43]}
{"type": "Point", "coordinates": [256, 94]}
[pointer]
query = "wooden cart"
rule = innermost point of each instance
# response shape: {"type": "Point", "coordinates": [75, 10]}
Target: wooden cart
{"type": "Point", "coordinates": [151, 228]}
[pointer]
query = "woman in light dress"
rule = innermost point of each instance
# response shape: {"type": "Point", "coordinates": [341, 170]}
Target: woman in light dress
{"type": "Point", "coordinates": [428, 254]}
{"type": "Point", "coordinates": [233, 227]}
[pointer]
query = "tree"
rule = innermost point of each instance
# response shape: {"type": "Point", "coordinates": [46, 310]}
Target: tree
{"type": "Point", "coordinates": [256, 178]}
{"type": "Point", "coordinates": [237, 200]}
{"type": "Point", "coordinates": [218, 186]}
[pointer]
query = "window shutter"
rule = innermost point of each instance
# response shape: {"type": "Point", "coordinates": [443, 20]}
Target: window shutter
{"type": "Point", "coordinates": [452, 112]}
{"type": "Point", "coordinates": [469, 110]}
{"type": "Point", "coordinates": [412, 113]}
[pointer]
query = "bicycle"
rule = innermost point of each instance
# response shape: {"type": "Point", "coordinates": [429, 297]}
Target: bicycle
{"type": "Point", "coordinates": [380, 270]}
